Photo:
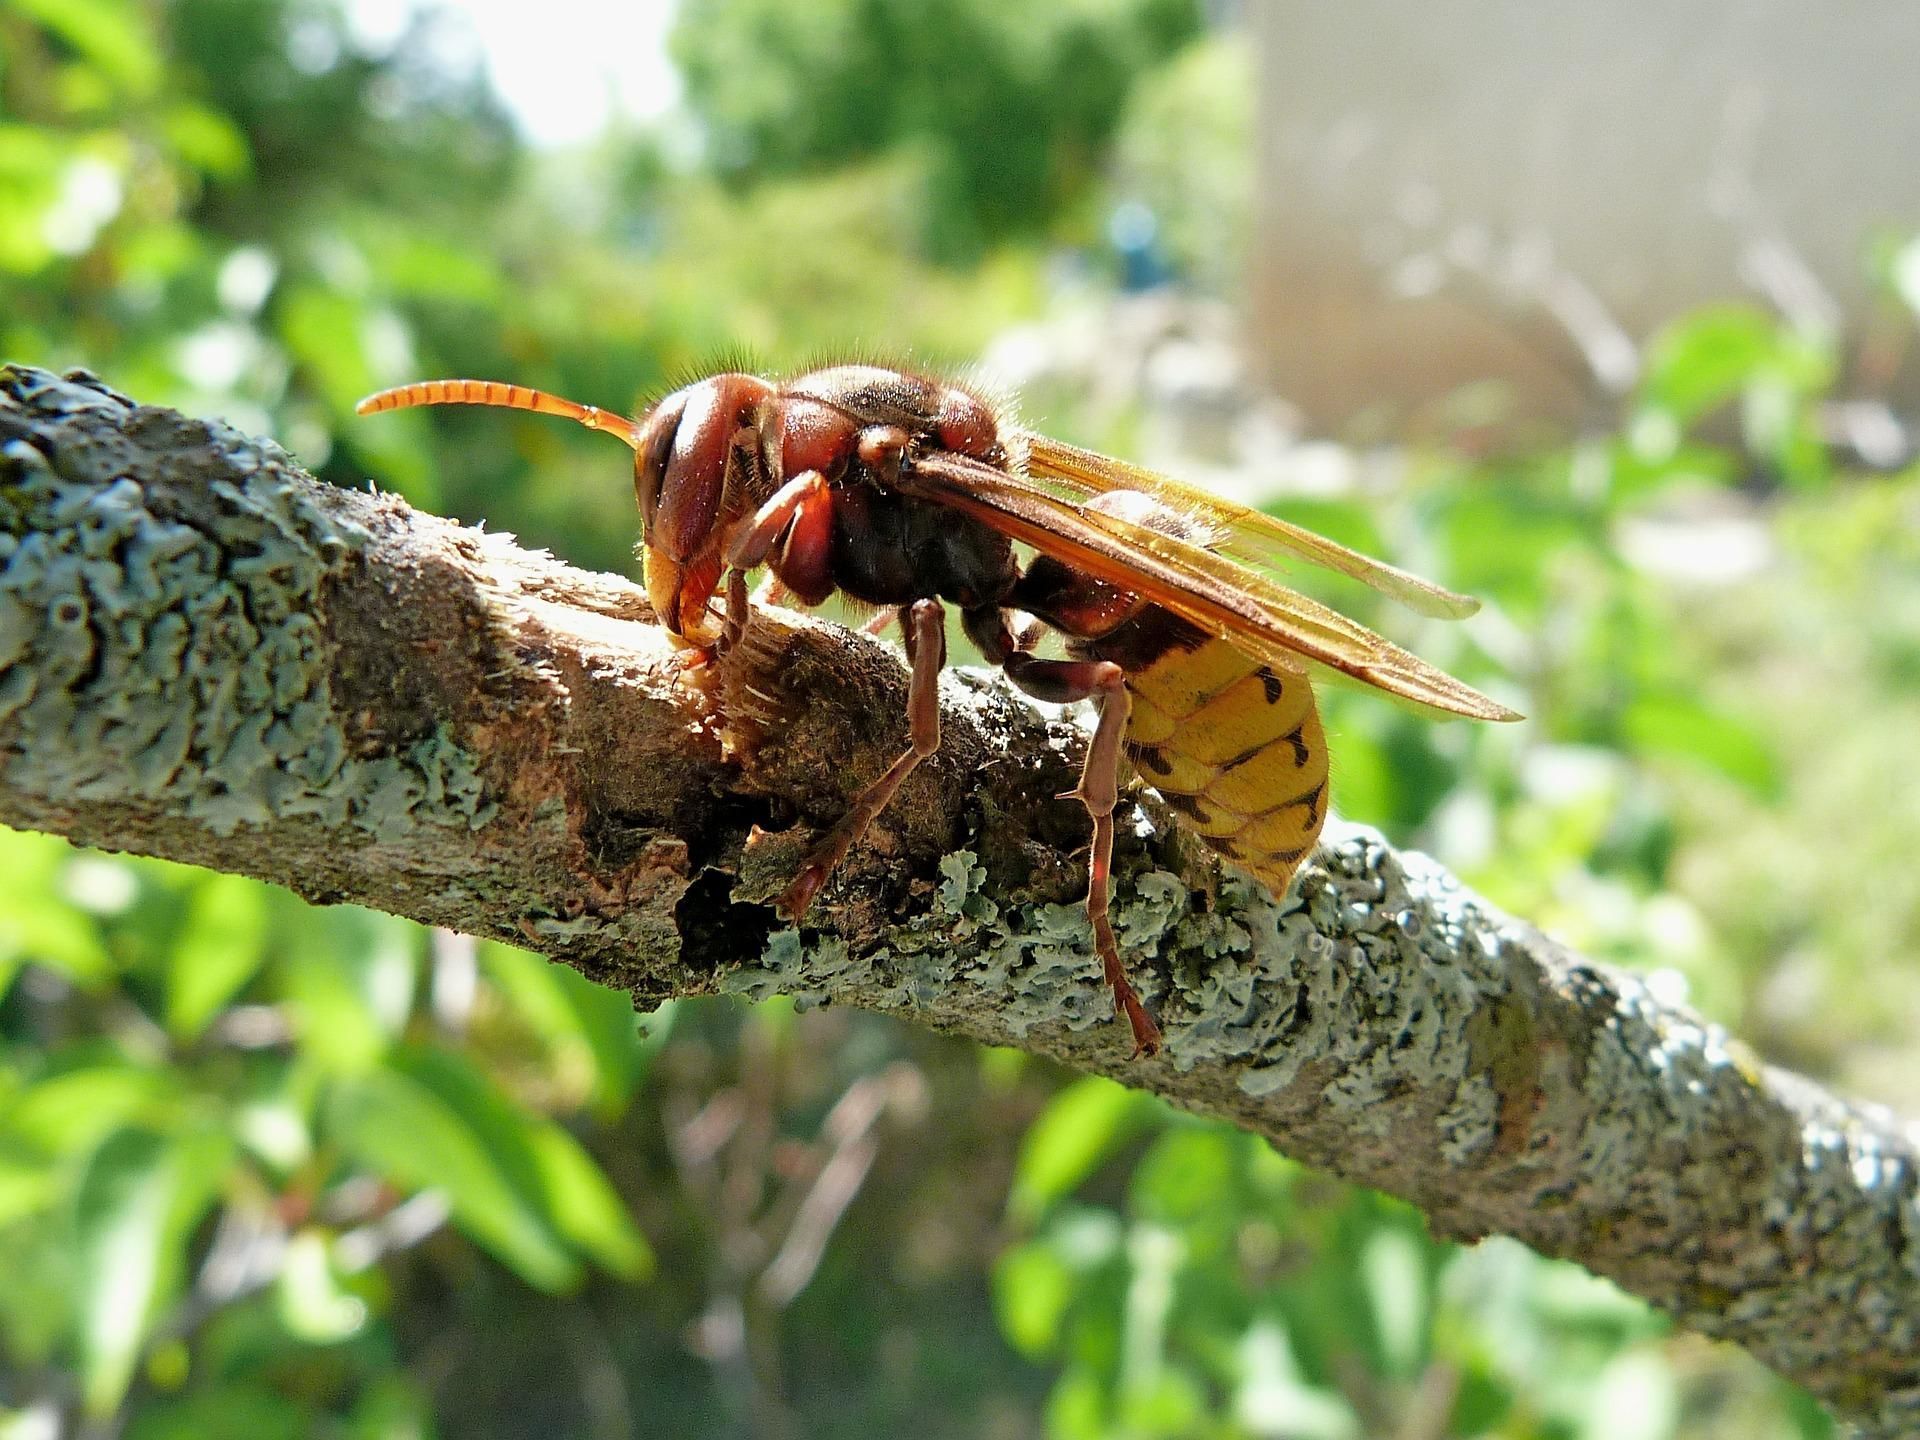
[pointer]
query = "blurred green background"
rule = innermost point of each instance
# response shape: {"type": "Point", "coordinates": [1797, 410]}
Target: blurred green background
{"type": "Point", "coordinates": [267, 1170]}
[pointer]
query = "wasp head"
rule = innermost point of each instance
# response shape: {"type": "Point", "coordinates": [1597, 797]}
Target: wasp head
{"type": "Point", "coordinates": [698, 467]}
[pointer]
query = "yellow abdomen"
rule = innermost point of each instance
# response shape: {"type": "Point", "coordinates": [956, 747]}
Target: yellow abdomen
{"type": "Point", "coordinates": [1236, 748]}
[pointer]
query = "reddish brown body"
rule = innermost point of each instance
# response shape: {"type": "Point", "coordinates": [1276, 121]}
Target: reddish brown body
{"type": "Point", "coordinates": [806, 477]}
{"type": "Point", "coordinates": [819, 449]}
{"type": "Point", "coordinates": [905, 492]}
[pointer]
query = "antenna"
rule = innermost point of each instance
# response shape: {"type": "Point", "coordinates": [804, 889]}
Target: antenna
{"type": "Point", "coordinates": [502, 396]}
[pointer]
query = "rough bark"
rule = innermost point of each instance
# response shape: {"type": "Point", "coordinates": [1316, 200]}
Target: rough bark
{"type": "Point", "coordinates": [206, 654]}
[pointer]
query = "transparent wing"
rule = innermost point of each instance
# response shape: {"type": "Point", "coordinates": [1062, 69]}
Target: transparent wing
{"type": "Point", "coordinates": [1248, 534]}
{"type": "Point", "coordinates": [1210, 590]}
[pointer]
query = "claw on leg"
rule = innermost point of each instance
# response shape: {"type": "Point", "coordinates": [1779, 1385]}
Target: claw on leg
{"type": "Point", "coordinates": [689, 658]}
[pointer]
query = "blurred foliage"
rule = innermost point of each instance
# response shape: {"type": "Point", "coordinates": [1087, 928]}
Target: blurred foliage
{"type": "Point", "coordinates": [1231, 1293]}
{"type": "Point", "coordinates": [270, 1170]}
{"type": "Point", "coordinates": [1006, 108]}
{"type": "Point", "coordinates": [200, 1067]}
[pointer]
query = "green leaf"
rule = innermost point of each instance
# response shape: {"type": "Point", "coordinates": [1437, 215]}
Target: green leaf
{"type": "Point", "coordinates": [1077, 1408]}
{"type": "Point", "coordinates": [1032, 1287]}
{"type": "Point", "coordinates": [273, 1116]}
{"type": "Point", "coordinates": [350, 978]}
{"type": "Point", "coordinates": [207, 140]}
{"type": "Point", "coordinates": [421, 267]}
{"type": "Point", "coordinates": [607, 1022]}
{"type": "Point", "coordinates": [39, 924]}
{"type": "Point", "coordinates": [1637, 1398]}
{"type": "Point", "coordinates": [323, 328]}
{"type": "Point", "coordinates": [1395, 1274]}
{"type": "Point", "coordinates": [1169, 1402]}
{"type": "Point", "coordinates": [585, 1207]}
{"type": "Point", "coordinates": [393, 1405]}
{"type": "Point", "coordinates": [592, 1041]}
{"type": "Point", "coordinates": [28, 1186]}
{"type": "Point", "coordinates": [1083, 1125]}
{"type": "Point", "coordinates": [1707, 358]}
{"type": "Point", "coordinates": [1274, 1399]}
{"type": "Point", "coordinates": [546, 1165]}
{"type": "Point", "coordinates": [137, 1203]}
{"type": "Point", "coordinates": [399, 1128]}
{"type": "Point", "coordinates": [1189, 1171]}
{"type": "Point", "coordinates": [243, 1410]}
{"type": "Point", "coordinates": [74, 1110]}
{"type": "Point", "coordinates": [1687, 728]}
{"type": "Point", "coordinates": [1572, 1298]}
{"type": "Point", "coordinates": [312, 1302]}
{"type": "Point", "coordinates": [221, 946]}
{"type": "Point", "coordinates": [113, 37]}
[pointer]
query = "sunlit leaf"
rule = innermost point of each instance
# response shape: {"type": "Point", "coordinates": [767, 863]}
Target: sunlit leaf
{"type": "Point", "coordinates": [274, 1117]}
{"type": "Point", "coordinates": [312, 1302]}
{"type": "Point", "coordinates": [1077, 1408]}
{"type": "Point", "coordinates": [1189, 1170]}
{"type": "Point", "coordinates": [546, 1165]}
{"type": "Point", "coordinates": [394, 1405]}
{"type": "Point", "coordinates": [585, 1207]}
{"type": "Point", "coordinates": [27, 1186]}
{"type": "Point", "coordinates": [238, 1410]}
{"type": "Point", "coordinates": [1706, 358]}
{"type": "Point", "coordinates": [1083, 1125]}
{"type": "Point", "coordinates": [38, 924]}
{"type": "Point", "coordinates": [405, 1132]}
{"type": "Point", "coordinates": [324, 329]}
{"type": "Point", "coordinates": [139, 1198]}
{"type": "Point", "coordinates": [592, 1041]}
{"type": "Point", "coordinates": [222, 944]}
{"type": "Point", "coordinates": [605, 1018]}
{"type": "Point", "coordinates": [411, 264]}
{"type": "Point", "coordinates": [1032, 1288]}
{"type": "Point", "coordinates": [206, 139]}
{"type": "Point", "coordinates": [1571, 1296]}
{"type": "Point", "coordinates": [350, 977]}
{"type": "Point", "coordinates": [1171, 1402]}
{"type": "Point", "coordinates": [113, 37]}
{"type": "Point", "coordinates": [1273, 1398]}
{"type": "Point", "coordinates": [1637, 1398]}
{"type": "Point", "coordinates": [1396, 1280]}
{"type": "Point", "coordinates": [73, 1110]}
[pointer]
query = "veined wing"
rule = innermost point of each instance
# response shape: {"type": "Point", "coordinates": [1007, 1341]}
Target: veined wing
{"type": "Point", "coordinates": [1213, 591]}
{"type": "Point", "coordinates": [1245, 533]}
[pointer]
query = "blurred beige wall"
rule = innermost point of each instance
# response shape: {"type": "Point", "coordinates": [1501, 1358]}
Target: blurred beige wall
{"type": "Point", "coordinates": [1519, 190]}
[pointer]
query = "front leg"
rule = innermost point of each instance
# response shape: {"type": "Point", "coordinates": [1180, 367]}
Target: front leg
{"type": "Point", "coordinates": [925, 625]}
{"type": "Point", "coordinates": [795, 529]}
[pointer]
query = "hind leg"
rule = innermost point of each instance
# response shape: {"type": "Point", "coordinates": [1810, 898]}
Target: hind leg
{"type": "Point", "coordinates": [925, 626]}
{"type": "Point", "coordinates": [1099, 790]}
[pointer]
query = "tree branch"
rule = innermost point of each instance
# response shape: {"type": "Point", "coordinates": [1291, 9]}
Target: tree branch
{"type": "Point", "coordinates": [207, 655]}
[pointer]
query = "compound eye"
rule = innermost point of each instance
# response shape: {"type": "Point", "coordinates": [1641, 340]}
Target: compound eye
{"type": "Point", "coordinates": [650, 457]}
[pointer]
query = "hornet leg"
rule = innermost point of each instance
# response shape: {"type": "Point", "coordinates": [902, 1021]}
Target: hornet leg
{"type": "Point", "coordinates": [925, 626]}
{"type": "Point", "coordinates": [1099, 790]}
{"type": "Point", "coordinates": [798, 520]}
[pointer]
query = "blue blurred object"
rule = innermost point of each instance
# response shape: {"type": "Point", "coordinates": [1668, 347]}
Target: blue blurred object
{"type": "Point", "coordinates": [1133, 231]}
